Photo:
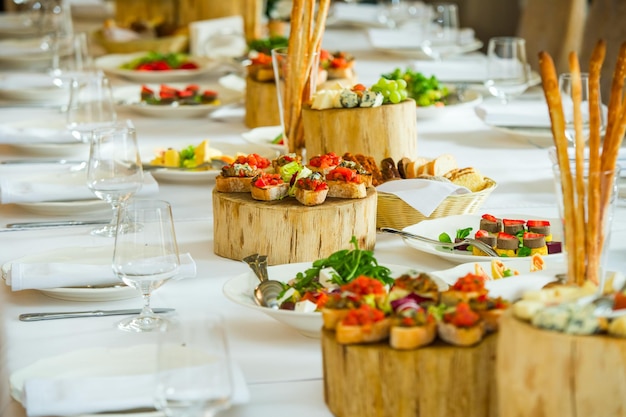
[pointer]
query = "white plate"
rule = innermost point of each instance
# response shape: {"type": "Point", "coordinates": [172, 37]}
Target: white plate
{"type": "Point", "coordinates": [263, 136]}
{"type": "Point", "coordinates": [85, 255]}
{"type": "Point", "coordinates": [24, 53]}
{"type": "Point", "coordinates": [450, 224]}
{"type": "Point", "coordinates": [32, 88]}
{"type": "Point", "coordinates": [61, 208]}
{"type": "Point", "coordinates": [130, 97]}
{"type": "Point", "coordinates": [541, 132]}
{"type": "Point", "coordinates": [240, 290]}
{"type": "Point", "coordinates": [443, 50]}
{"type": "Point", "coordinates": [470, 99]}
{"type": "Point", "coordinates": [42, 136]}
{"type": "Point", "coordinates": [16, 25]}
{"type": "Point", "coordinates": [510, 288]}
{"type": "Point", "coordinates": [111, 64]}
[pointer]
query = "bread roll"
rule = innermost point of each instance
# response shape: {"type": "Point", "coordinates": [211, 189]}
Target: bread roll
{"type": "Point", "coordinates": [468, 177]}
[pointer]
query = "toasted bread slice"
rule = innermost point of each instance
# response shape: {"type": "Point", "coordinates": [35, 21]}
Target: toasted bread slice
{"type": "Point", "coordinates": [342, 189]}
{"type": "Point", "coordinates": [412, 337]}
{"type": "Point", "coordinates": [310, 197]}
{"type": "Point", "coordinates": [275, 192]}
{"type": "Point", "coordinates": [376, 332]}
{"type": "Point", "coordinates": [461, 336]}
{"type": "Point", "coordinates": [333, 316]}
{"type": "Point", "coordinates": [468, 177]}
{"type": "Point", "coordinates": [233, 184]}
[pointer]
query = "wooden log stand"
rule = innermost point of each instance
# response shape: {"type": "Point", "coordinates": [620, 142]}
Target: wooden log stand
{"type": "Point", "coordinates": [543, 373]}
{"type": "Point", "coordinates": [261, 104]}
{"type": "Point", "coordinates": [287, 231]}
{"type": "Point", "coordinates": [381, 132]}
{"type": "Point", "coordinates": [439, 380]}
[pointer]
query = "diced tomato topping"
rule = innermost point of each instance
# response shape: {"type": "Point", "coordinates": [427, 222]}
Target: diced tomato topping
{"type": "Point", "coordinates": [490, 217]}
{"type": "Point", "coordinates": [339, 63]}
{"type": "Point", "coordinates": [312, 184]}
{"type": "Point", "coordinates": [620, 301]}
{"type": "Point", "coordinates": [343, 174]}
{"type": "Point", "coordinates": [463, 316]}
{"type": "Point", "coordinates": [254, 160]}
{"type": "Point", "coordinates": [359, 87]}
{"type": "Point", "coordinates": [268, 180]}
{"type": "Point", "coordinates": [209, 94]}
{"type": "Point", "coordinates": [188, 65]}
{"type": "Point", "coordinates": [262, 59]}
{"type": "Point", "coordinates": [511, 222]}
{"type": "Point", "coordinates": [470, 283]}
{"type": "Point", "coordinates": [481, 233]}
{"type": "Point", "coordinates": [363, 315]}
{"type": "Point", "coordinates": [328, 160]}
{"type": "Point", "coordinates": [363, 285]}
{"type": "Point", "coordinates": [324, 55]}
{"type": "Point", "coordinates": [537, 223]}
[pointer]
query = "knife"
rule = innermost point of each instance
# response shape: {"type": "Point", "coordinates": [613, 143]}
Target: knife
{"type": "Point", "coordinates": [79, 314]}
{"type": "Point", "coordinates": [27, 225]}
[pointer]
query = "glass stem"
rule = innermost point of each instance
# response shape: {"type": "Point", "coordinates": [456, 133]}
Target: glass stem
{"type": "Point", "coordinates": [146, 311]}
{"type": "Point", "coordinates": [115, 205]}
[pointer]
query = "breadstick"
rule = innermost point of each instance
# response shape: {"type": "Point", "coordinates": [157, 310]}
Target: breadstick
{"type": "Point", "coordinates": [615, 102]}
{"type": "Point", "coordinates": [553, 98]}
{"type": "Point", "coordinates": [594, 245]}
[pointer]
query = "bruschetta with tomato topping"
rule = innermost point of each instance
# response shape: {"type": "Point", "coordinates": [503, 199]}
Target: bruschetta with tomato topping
{"type": "Point", "coordinates": [490, 310]}
{"type": "Point", "coordinates": [366, 176]}
{"type": "Point", "coordinates": [461, 326]}
{"type": "Point", "coordinates": [261, 68]}
{"type": "Point", "coordinates": [412, 328]}
{"type": "Point", "coordinates": [345, 183]}
{"type": "Point", "coordinates": [237, 177]}
{"type": "Point", "coordinates": [361, 290]}
{"type": "Point", "coordinates": [420, 284]}
{"type": "Point", "coordinates": [269, 187]}
{"type": "Point", "coordinates": [464, 289]}
{"type": "Point", "coordinates": [365, 324]}
{"type": "Point", "coordinates": [311, 190]}
{"type": "Point", "coordinates": [324, 163]}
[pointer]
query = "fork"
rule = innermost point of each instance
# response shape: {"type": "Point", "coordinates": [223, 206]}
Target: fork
{"type": "Point", "coordinates": [467, 241]}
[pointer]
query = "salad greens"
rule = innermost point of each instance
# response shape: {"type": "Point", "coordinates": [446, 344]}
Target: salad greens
{"type": "Point", "coordinates": [265, 45]}
{"type": "Point", "coordinates": [349, 264]}
{"type": "Point", "coordinates": [460, 234]}
{"type": "Point", "coordinates": [426, 91]}
{"type": "Point", "coordinates": [173, 59]}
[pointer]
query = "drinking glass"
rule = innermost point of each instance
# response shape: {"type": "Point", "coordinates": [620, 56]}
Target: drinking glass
{"type": "Point", "coordinates": [565, 86]}
{"type": "Point", "coordinates": [114, 171]}
{"type": "Point", "coordinates": [69, 55]}
{"type": "Point", "coordinates": [194, 376]}
{"type": "Point", "coordinates": [90, 106]}
{"type": "Point", "coordinates": [507, 69]}
{"type": "Point", "coordinates": [145, 257]}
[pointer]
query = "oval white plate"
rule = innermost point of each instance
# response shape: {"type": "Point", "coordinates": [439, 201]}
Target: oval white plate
{"type": "Point", "coordinates": [444, 50]}
{"type": "Point", "coordinates": [95, 255]}
{"type": "Point", "coordinates": [510, 288]}
{"type": "Point", "coordinates": [450, 224]}
{"type": "Point", "coordinates": [130, 97]}
{"type": "Point", "coordinates": [470, 99]}
{"type": "Point", "coordinates": [264, 135]}
{"type": "Point", "coordinates": [111, 64]}
{"type": "Point", "coordinates": [240, 290]}
{"type": "Point", "coordinates": [32, 88]}
{"type": "Point", "coordinates": [42, 136]}
{"type": "Point", "coordinates": [60, 208]}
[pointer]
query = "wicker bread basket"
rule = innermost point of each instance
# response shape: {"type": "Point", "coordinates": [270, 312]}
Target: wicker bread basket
{"type": "Point", "coordinates": [395, 212]}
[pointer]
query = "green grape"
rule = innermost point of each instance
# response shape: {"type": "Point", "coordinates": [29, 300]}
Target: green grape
{"type": "Point", "coordinates": [402, 83]}
{"type": "Point", "coordinates": [395, 97]}
{"type": "Point", "coordinates": [385, 94]}
{"type": "Point", "coordinates": [392, 85]}
{"type": "Point", "coordinates": [404, 94]}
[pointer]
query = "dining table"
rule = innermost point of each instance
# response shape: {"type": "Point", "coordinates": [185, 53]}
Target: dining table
{"type": "Point", "coordinates": [283, 369]}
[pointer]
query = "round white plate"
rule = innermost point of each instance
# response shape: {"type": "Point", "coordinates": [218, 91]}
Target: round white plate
{"type": "Point", "coordinates": [130, 97]}
{"type": "Point", "coordinates": [450, 224]}
{"type": "Point", "coordinates": [470, 99]}
{"type": "Point", "coordinates": [16, 25]}
{"type": "Point", "coordinates": [24, 53]}
{"type": "Point", "coordinates": [443, 50]}
{"type": "Point", "coordinates": [111, 64]}
{"type": "Point", "coordinates": [263, 136]}
{"type": "Point", "coordinates": [60, 208]}
{"type": "Point", "coordinates": [541, 132]}
{"type": "Point", "coordinates": [173, 175]}
{"type": "Point", "coordinates": [33, 88]}
{"type": "Point", "coordinates": [510, 288]}
{"type": "Point", "coordinates": [93, 255]}
{"type": "Point", "coordinates": [42, 136]}
{"type": "Point", "coordinates": [240, 290]}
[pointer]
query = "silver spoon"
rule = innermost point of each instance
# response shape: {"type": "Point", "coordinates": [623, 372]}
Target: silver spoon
{"type": "Point", "coordinates": [267, 292]}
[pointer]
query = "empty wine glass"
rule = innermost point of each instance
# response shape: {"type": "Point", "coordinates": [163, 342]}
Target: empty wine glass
{"type": "Point", "coordinates": [70, 56]}
{"type": "Point", "coordinates": [90, 106]}
{"type": "Point", "coordinates": [565, 86]}
{"type": "Point", "coordinates": [145, 257]}
{"type": "Point", "coordinates": [507, 69]}
{"type": "Point", "coordinates": [114, 171]}
{"type": "Point", "coordinates": [194, 376]}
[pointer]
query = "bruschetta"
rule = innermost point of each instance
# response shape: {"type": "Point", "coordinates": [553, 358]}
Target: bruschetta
{"type": "Point", "coordinates": [461, 326]}
{"type": "Point", "coordinates": [464, 289]}
{"type": "Point", "coordinates": [365, 324]}
{"type": "Point", "coordinates": [324, 163]}
{"type": "Point", "coordinates": [490, 310]}
{"type": "Point", "coordinates": [237, 177]}
{"type": "Point", "coordinates": [269, 187]}
{"type": "Point", "coordinates": [420, 284]}
{"type": "Point", "coordinates": [311, 190]}
{"type": "Point", "coordinates": [345, 183]}
{"type": "Point", "coordinates": [366, 176]}
{"type": "Point", "coordinates": [412, 328]}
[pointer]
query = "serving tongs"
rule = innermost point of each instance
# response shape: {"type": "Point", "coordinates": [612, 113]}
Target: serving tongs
{"type": "Point", "coordinates": [480, 245]}
{"type": "Point", "coordinates": [267, 292]}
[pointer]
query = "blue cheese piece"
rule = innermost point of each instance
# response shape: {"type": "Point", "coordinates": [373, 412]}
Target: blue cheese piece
{"type": "Point", "coordinates": [325, 277]}
{"type": "Point", "coordinates": [371, 99]}
{"type": "Point", "coordinates": [526, 309]}
{"type": "Point", "coordinates": [348, 98]}
{"type": "Point", "coordinates": [553, 318]}
{"type": "Point", "coordinates": [583, 321]}
{"type": "Point", "coordinates": [305, 306]}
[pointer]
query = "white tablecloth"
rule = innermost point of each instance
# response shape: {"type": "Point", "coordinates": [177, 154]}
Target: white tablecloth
{"type": "Point", "coordinates": [282, 367]}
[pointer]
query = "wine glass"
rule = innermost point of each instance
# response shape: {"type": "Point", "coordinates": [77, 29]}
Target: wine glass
{"type": "Point", "coordinates": [90, 106]}
{"type": "Point", "coordinates": [507, 69]}
{"type": "Point", "coordinates": [114, 172]}
{"type": "Point", "coordinates": [194, 376]}
{"type": "Point", "coordinates": [565, 86]}
{"type": "Point", "coordinates": [145, 257]}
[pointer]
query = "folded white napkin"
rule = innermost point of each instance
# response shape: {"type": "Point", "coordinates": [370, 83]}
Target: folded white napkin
{"type": "Point", "coordinates": [217, 38]}
{"type": "Point", "coordinates": [523, 113]}
{"type": "Point", "coordinates": [93, 267]}
{"type": "Point", "coordinates": [472, 68]}
{"type": "Point", "coordinates": [114, 389]}
{"type": "Point", "coordinates": [421, 194]}
{"type": "Point", "coordinates": [60, 183]}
